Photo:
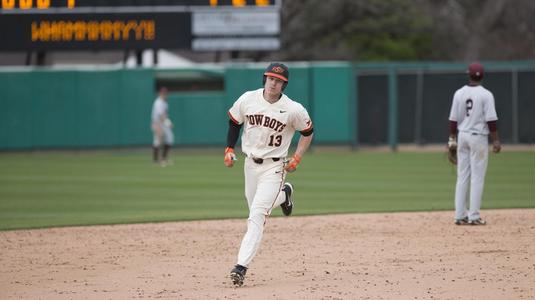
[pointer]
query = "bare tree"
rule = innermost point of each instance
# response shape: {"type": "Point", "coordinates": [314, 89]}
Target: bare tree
{"type": "Point", "coordinates": [483, 29]}
{"type": "Point", "coordinates": [405, 30]}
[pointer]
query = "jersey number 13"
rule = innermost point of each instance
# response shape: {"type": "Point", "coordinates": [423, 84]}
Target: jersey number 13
{"type": "Point", "coordinates": [275, 140]}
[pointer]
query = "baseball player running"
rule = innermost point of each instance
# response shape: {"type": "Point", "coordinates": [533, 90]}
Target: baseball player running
{"type": "Point", "coordinates": [269, 120]}
{"type": "Point", "coordinates": [474, 117]}
{"type": "Point", "coordinates": [161, 128]}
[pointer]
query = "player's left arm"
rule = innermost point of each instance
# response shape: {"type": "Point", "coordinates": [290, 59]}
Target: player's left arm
{"type": "Point", "coordinates": [452, 141]}
{"type": "Point", "coordinates": [307, 133]}
{"type": "Point", "coordinates": [302, 147]}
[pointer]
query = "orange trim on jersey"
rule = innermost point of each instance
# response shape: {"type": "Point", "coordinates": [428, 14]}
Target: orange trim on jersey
{"type": "Point", "coordinates": [310, 127]}
{"type": "Point", "coordinates": [279, 76]}
{"type": "Point", "coordinates": [232, 118]}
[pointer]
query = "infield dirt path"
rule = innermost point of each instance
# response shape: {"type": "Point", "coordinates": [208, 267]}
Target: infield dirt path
{"type": "Point", "coordinates": [359, 256]}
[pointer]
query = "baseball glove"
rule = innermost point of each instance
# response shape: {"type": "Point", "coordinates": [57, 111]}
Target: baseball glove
{"type": "Point", "coordinates": [452, 151]}
{"type": "Point", "coordinates": [452, 155]}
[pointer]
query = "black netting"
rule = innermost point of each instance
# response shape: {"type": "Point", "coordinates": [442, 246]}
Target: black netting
{"type": "Point", "coordinates": [438, 92]}
{"type": "Point", "coordinates": [424, 102]}
{"type": "Point", "coordinates": [500, 84]}
{"type": "Point", "coordinates": [526, 107]}
{"type": "Point", "coordinates": [373, 109]}
{"type": "Point", "coordinates": [408, 116]}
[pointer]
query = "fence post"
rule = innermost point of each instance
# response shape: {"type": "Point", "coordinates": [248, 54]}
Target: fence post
{"type": "Point", "coordinates": [392, 108]}
{"type": "Point", "coordinates": [354, 108]}
{"type": "Point", "coordinates": [514, 103]}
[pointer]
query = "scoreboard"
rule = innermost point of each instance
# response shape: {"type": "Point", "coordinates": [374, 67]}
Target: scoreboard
{"type": "Point", "coordinates": [41, 25]}
{"type": "Point", "coordinates": [73, 5]}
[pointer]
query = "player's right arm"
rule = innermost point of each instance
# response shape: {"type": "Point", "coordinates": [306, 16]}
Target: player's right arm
{"type": "Point", "coordinates": [235, 123]}
{"type": "Point", "coordinates": [494, 136]}
{"type": "Point", "coordinates": [492, 121]}
{"type": "Point", "coordinates": [232, 137]}
{"type": "Point", "coordinates": [496, 144]}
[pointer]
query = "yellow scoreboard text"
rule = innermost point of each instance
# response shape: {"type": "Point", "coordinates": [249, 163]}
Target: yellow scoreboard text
{"type": "Point", "coordinates": [29, 4]}
{"type": "Point", "coordinates": [46, 4]}
{"type": "Point", "coordinates": [92, 31]}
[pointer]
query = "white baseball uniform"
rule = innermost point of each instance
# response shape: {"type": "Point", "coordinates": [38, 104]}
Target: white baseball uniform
{"type": "Point", "coordinates": [472, 108]}
{"type": "Point", "coordinates": [267, 134]}
{"type": "Point", "coordinates": [159, 117]}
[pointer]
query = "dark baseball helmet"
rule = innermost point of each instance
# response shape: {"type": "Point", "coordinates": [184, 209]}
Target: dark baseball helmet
{"type": "Point", "coordinates": [279, 71]}
{"type": "Point", "coordinates": [475, 71]}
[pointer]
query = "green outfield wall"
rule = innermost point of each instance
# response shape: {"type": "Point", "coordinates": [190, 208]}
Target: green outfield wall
{"type": "Point", "coordinates": [353, 104]}
{"type": "Point", "coordinates": [73, 109]}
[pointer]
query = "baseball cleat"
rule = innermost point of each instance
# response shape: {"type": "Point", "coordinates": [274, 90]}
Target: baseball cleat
{"type": "Point", "coordinates": [237, 275]}
{"type": "Point", "coordinates": [287, 205]}
{"type": "Point", "coordinates": [462, 221]}
{"type": "Point", "coordinates": [477, 222]}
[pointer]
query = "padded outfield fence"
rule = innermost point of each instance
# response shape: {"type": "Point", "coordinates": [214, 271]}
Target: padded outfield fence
{"type": "Point", "coordinates": [352, 104]}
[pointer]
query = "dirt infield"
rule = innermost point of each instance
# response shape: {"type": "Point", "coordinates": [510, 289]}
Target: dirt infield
{"type": "Point", "coordinates": [360, 256]}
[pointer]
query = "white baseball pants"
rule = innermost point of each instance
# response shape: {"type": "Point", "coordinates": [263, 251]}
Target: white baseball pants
{"type": "Point", "coordinates": [263, 190]}
{"type": "Point", "coordinates": [162, 135]}
{"type": "Point", "coordinates": [472, 159]}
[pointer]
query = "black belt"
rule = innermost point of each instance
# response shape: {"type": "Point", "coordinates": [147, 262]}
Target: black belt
{"type": "Point", "coordinates": [260, 160]}
{"type": "Point", "coordinates": [472, 133]}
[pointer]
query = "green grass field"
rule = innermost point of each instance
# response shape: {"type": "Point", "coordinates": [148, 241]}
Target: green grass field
{"type": "Point", "coordinates": [110, 187]}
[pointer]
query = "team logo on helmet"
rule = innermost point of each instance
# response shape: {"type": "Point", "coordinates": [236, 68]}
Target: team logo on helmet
{"type": "Point", "coordinates": [278, 69]}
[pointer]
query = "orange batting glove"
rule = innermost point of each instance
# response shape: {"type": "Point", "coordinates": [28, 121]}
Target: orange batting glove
{"type": "Point", "coordinates": [291, 166]}
{"type": "Point", "coordinates": [230, 157]}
